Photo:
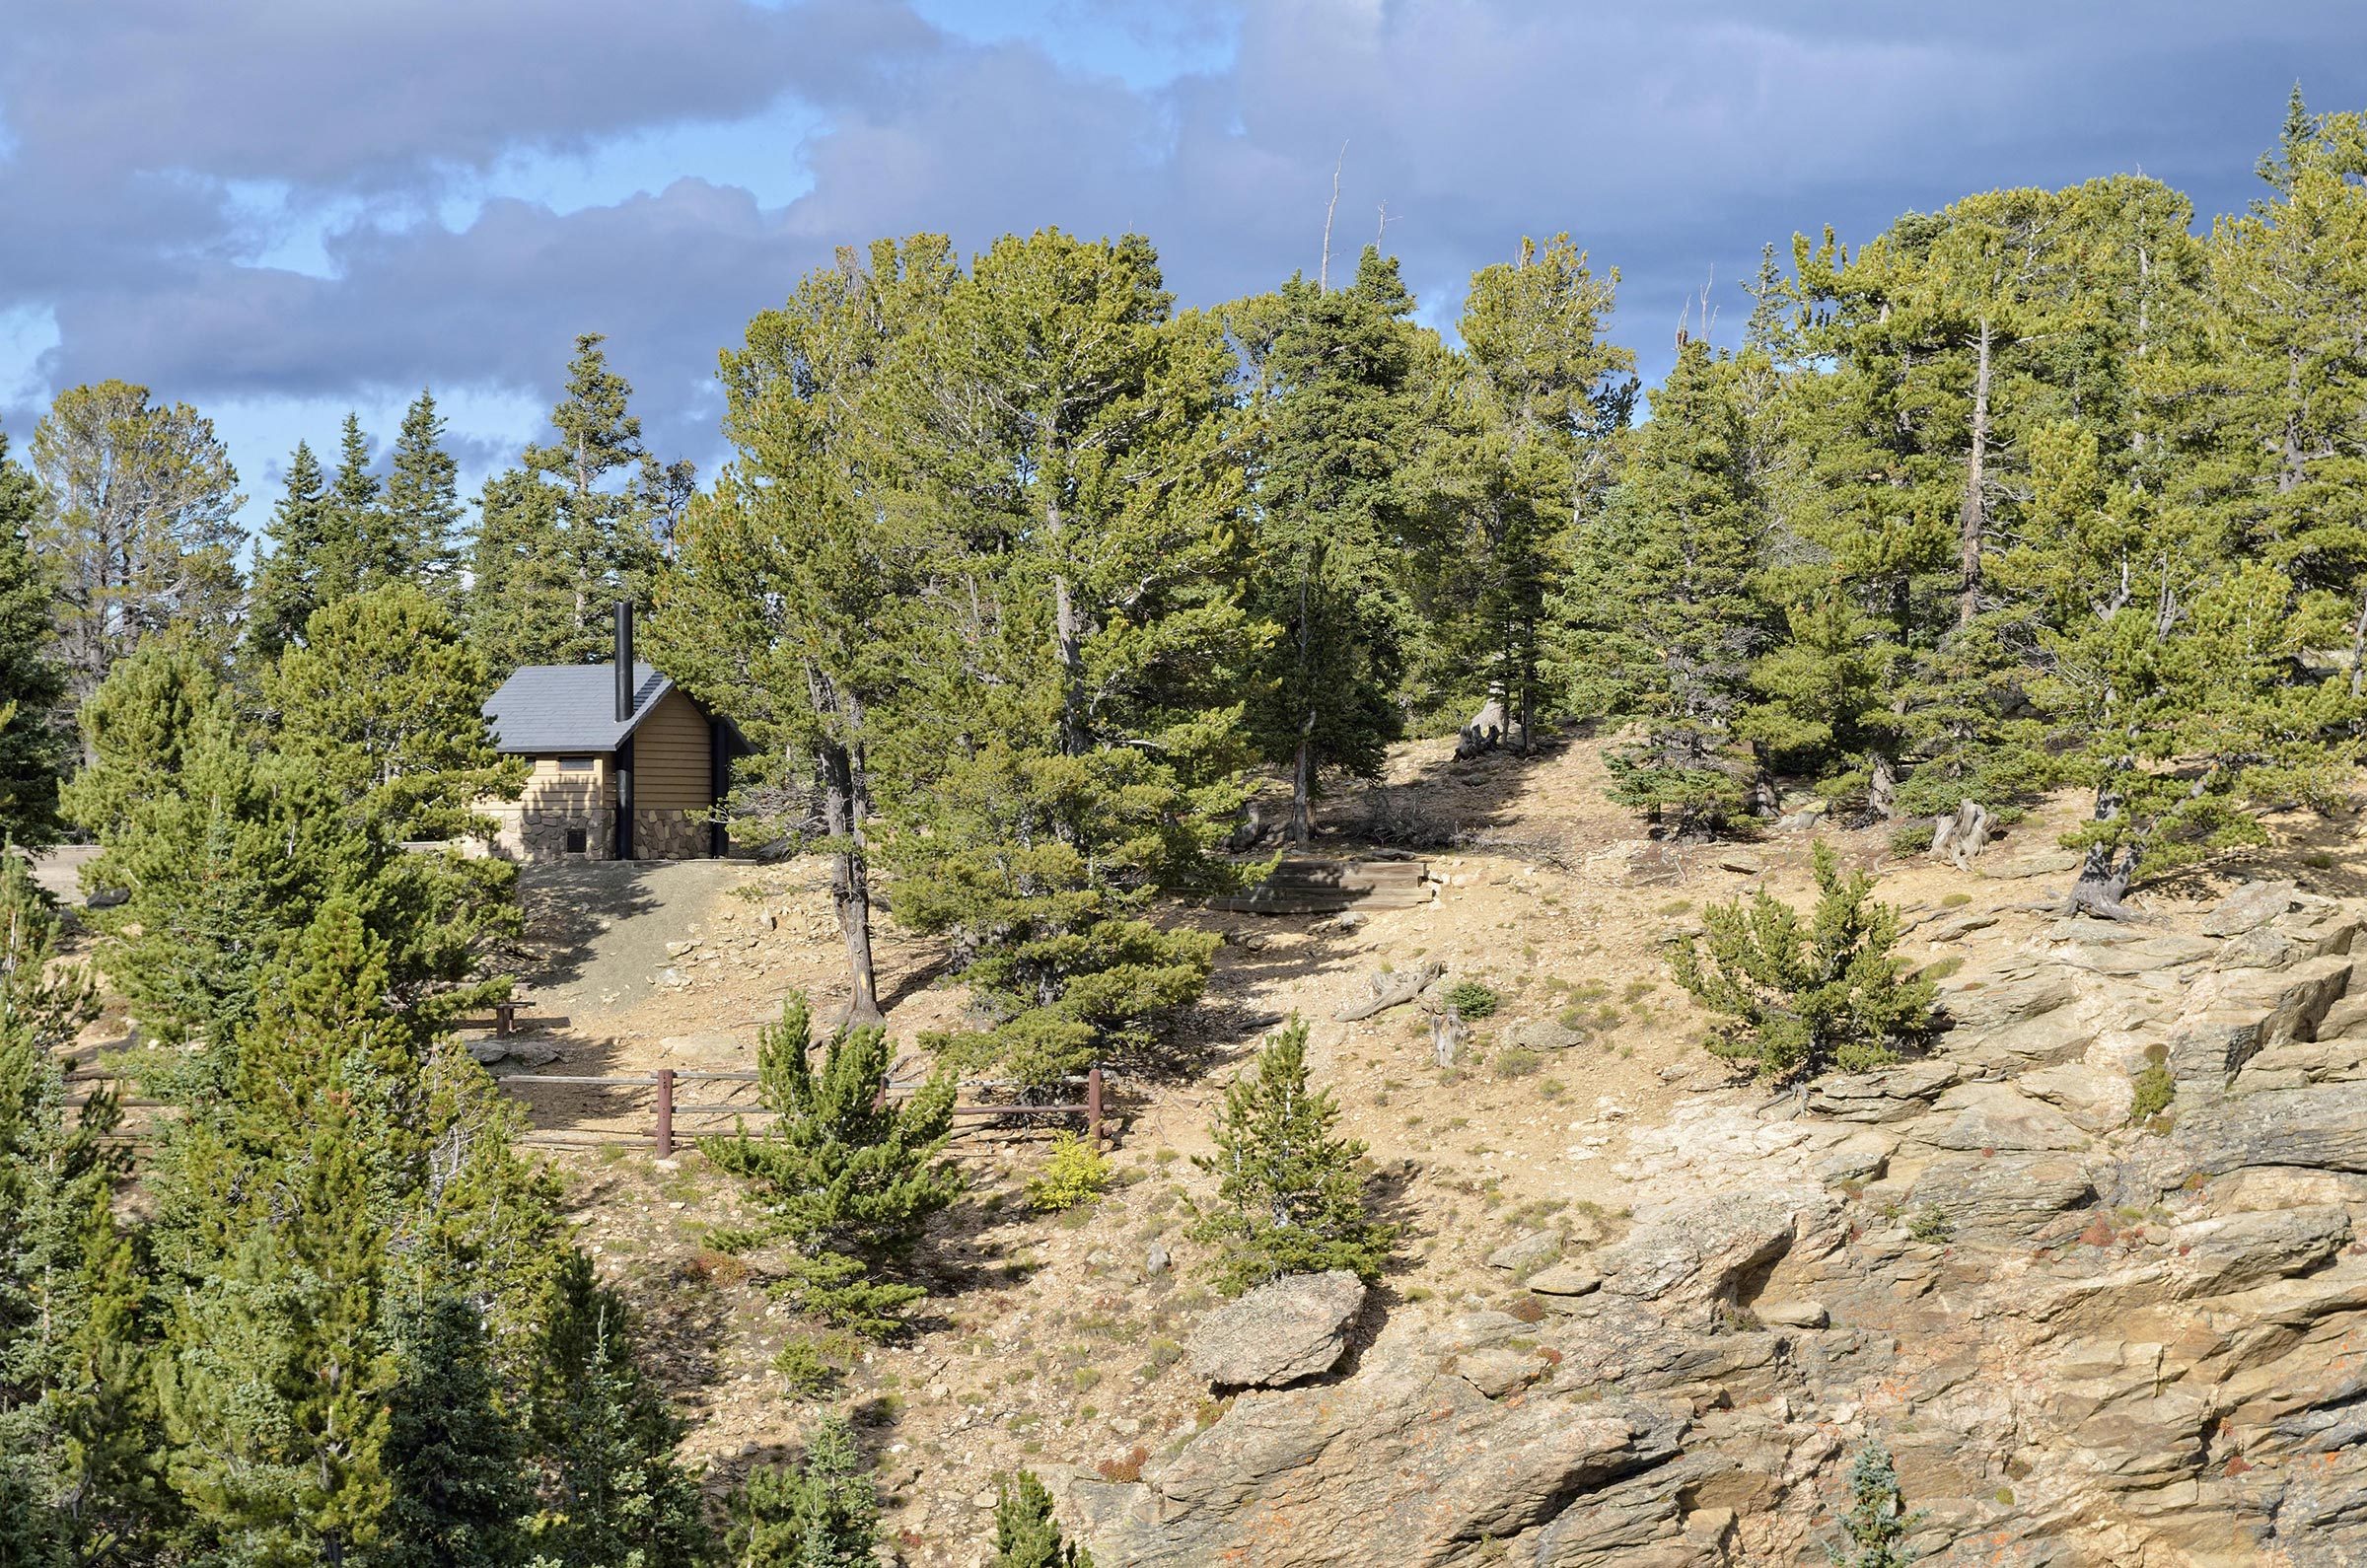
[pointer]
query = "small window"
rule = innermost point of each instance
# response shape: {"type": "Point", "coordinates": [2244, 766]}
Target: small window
{"type": "Point", "coordinates": [578, 841]}
{"type": "Point", "coordinates": [575, 764]}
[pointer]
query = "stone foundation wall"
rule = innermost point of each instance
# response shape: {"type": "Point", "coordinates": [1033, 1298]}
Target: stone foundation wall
{"type": "Point", "coordinates": [669, 835]}
{"type": "Point", "coordinates": [537, 833]}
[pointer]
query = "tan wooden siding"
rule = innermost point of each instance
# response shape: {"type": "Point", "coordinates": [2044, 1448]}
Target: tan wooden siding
{"type": "Point", "coordinates": [550, 788]}
{"type": "Point", "coordinates": [670, 758]}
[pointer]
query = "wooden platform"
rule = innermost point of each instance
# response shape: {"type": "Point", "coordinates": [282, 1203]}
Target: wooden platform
{"type": "Point", "coordinates": [1327, 887]}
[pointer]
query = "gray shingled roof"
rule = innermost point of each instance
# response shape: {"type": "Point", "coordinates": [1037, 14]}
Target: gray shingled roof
{"type": "Point", "coordinates": [547, 709]}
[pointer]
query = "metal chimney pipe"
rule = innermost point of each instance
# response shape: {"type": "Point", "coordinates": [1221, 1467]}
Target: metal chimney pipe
{"type": "Point", "coordinates": [625, 660]}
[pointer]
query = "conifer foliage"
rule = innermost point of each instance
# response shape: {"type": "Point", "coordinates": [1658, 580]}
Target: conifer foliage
{"type": "Point", "coordinates": [1026, 1534]}
{"type": "Point", "coordinates": [820, 1513]}
{"type": "Point", "coordinates": [847, 1177]}
{"type": "Point", "coordinates": [1290, 1194]}
{"type": "Point", "coordinates": [1806, 1000]}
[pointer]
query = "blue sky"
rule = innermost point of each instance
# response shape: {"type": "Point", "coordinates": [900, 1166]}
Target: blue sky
{"type": "Point", "coordinates": [278, 209]}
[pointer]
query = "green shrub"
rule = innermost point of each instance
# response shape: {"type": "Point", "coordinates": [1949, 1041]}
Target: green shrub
{"type": "Point", "coordinates": [1932, 1225]}
{"type": "Point", "coordinates": [1878, 1523]}
{"type": "Point", "coordinates": [812, 1368]}
{"type": "Point", "coordinates": [2155, 1088]}
{"type": "Point", "coordinates": [1805, 998]}
{"type": "Point", "coordinates": [1517, 1061]}
{"type": "Point", "coordinates": [1075, 1173]}
{"type": "Point", "coordinates": [1471, 1000]}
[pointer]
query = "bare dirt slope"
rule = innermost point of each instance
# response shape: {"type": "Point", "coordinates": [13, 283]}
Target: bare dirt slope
{"type": "Point", "coordinates": [1055, 1341]}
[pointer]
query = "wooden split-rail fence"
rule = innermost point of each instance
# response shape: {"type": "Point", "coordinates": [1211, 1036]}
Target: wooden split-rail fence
{"type": "Point", "coordinates": [666, 1107]}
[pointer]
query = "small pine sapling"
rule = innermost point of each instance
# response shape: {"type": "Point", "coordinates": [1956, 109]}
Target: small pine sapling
{"type": "Point", "coordinates": [1290, 1194]}
{"type": "Point", "coordinates": [844, 1176]}
{"type": "Point", "coordinates": [822, 1513]}
{"type": "Point", "coordinates": [1878, 1523]}
{"type": "Point", "coordinates": [1026, 1535]}
{"type": "Point", "coordinates": [1807, 999]}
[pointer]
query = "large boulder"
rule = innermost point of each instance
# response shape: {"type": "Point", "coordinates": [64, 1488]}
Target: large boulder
{"type": "Point", "coordinates": [1295, 1328]}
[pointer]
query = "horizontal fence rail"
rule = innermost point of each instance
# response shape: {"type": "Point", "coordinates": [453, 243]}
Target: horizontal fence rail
{"type": "Point", "coordinates": [667, 1105]}
{"type": "Point", "coordinates": [664, 1083]}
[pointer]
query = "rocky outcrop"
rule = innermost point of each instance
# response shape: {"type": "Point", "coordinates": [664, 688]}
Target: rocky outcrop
{"type": "Point", "coordinates": [1296, 1326]}
{"type": "Point", "coordinates": [2085, 1340]}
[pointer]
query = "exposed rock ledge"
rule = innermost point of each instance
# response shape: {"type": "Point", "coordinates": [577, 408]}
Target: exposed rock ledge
{"type": "Point", "coordinates": [2085, 1342]}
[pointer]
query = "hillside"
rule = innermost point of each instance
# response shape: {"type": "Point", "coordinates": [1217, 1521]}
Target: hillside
{"type": "Point", "coordinates": [1797, 1293]}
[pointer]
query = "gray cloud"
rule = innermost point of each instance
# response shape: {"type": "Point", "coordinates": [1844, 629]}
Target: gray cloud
{"type": "Point", "coordinates": [1670, 140]}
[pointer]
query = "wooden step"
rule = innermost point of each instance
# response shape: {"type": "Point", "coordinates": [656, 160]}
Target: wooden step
{"type": "Point", "coordinates": [1327, 887]}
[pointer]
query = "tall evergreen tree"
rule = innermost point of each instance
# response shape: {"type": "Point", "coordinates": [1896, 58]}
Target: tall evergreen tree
{"type": "Point", "coordinates": [1669, 612]}
{"type": "Point", "coordinates": [422, 503]}
{"type": "Point", "coordinates": [796, 592]}
{"type": "Point", "coordinates": [1339, 423]}
{"type": "Point", "coordinates": [1076, 745]}
{"type": "Point", "coordinates": [614, 1494]}
{"type": "Point", "coordinates": [287, 588]}
{"type": "Point", "coordinates": [139, 530]}
{"type": "Point", "coordinates": [1532, 413]}
{"type": "Point", "coordinates": [605, 533]}
{"type": "Point", "coordinates": [33, 743]}
{"type": "Point", "coordinates": [387, 700]}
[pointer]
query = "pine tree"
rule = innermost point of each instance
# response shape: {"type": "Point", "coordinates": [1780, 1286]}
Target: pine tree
{"type": "Point", "coordinates": [519, 606]}
{"type": "Point", "coordinates": [1679, 626]}
{"type": "Point", "coordinates": [1290, 1198]}
{"type": "Point", "coordinates": [793, 596]}
{"type": "Point", "coordinates": [136, 730]}
{"type": "Point", "coordinates": [606, 539]}
{"type": "Point", "coordinates": [1537, 398]}
{"type": "Point", "coordinates": [387, 700]}
{"type": "Point", "coordinates": [355, 557]}
{"type": "Point", "coordinates": [422, 504]}
{"type": "Point", "coordinates": [844, 1177]}
{"type": "Point", "coordinates": [287, 588]}
{"type": "Point", "coordinates": [140, 530]}
{"type": "Point", "coordinates": [455, 1462]}
{"type": "Point", "coordinates": [1075, 748]}
{"type": "Point", "coordinates": [1026, 1535]}
{"type": "Point", "coordinates": [1339, 421]}
{"type": "Point", "coordinates": [77, 1466]}
{"type": "Point", "coordinates": [279, 1369]}
{"type": "Point", "coordinates": [820, 1514]}
{"type": "Point", "coordinates": [34, 744]}
{"type": "Point", "coordinates": [614, 1496]}
{"type": "Point", "coordinates": [1807, 1001]}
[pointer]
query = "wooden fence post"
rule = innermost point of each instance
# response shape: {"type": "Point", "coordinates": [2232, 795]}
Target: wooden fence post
{"type": "Point", "coordinates": [1093, 1105]}
{"type": "Point", "coordinates": [664, 1112]}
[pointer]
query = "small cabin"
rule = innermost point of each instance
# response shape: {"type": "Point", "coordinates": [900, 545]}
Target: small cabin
{"type": "Point", "coordinates": [625, 764]}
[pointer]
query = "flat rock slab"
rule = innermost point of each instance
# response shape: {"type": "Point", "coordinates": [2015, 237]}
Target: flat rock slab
{"type": "Point", "coordinates": [1295, 1328]}
{"type": "Point", "coordinates": [2321, 1127]}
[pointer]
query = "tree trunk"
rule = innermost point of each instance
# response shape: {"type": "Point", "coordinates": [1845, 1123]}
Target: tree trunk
{"type": "Point", "coordinates": [2105, 876]}
{"type": "Point", "coordinates": [1302, 785]}
{"type": "Point", "coordinates": [2358, 644]}
{"type": "Point", "coordinates": [1882, 788]}
{"type": "Point", "coordinates": [850, 881]}
{"type": "Point", "coordinates": [1973, 519]}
